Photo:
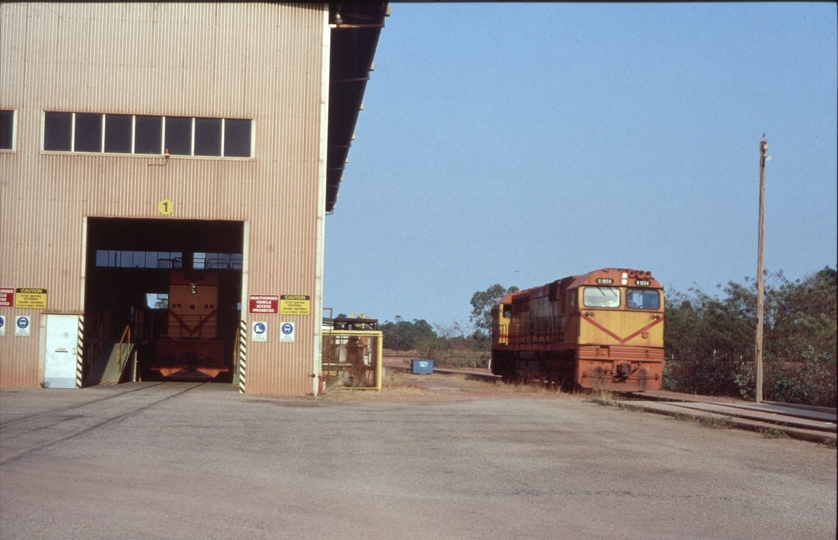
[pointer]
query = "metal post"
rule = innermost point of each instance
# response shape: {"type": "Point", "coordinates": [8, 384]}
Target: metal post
{"type": "Point", "coordinates": [763, 148]}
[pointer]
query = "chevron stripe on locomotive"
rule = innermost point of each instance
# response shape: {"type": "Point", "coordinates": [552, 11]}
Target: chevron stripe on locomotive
{"type": "Point", "coordinates": [601, 330]}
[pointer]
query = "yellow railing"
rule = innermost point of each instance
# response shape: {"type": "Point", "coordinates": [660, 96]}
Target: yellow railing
{"type": "Point", "coordinates": [122, 343]}
{"type": "Point", "coordinates": [348, 356]}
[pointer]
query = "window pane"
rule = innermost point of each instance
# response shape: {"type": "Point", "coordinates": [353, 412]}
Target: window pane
{"type": "Point", "coordinates": [237, 138]}
{"type": "Point", "coordinates": [179, 135]}
{"type": "Point", "coordinates": [164, 259]}
{"type": "Point", "coordinates": [148, 137]}
{"type": "Point", "coordinates": [88, 132]}
{"type": "Point", "coordinates": [126, 259]}
{"type": "Point", "coordinates": [118, 133]}
{"type": "Point", "coordinates": [207, 136]}
{"type": "Point", "coordinates": [7, 127]}
{"type": "Point", "coordinates": [199, 260]}
{"type": "Point", "coordinates": [101, 257]}
{"type": "Point", "coordinates": [218, 260]}
{"type": "Point", "coordinates": [157, 300]}
{"type": "Point", "coordinates": [601, 297]}
{"type": "Point", "coordinates": [57, 128]}
{"type": "Point", "coordinates": [151, 259]}
{"type": "Point", "coordinates": [642, 299]}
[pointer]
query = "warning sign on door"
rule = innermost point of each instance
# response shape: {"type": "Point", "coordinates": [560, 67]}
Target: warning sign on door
{"type": "Point", "coordinates": [31, 298]}
{"type": "Point", "coordinates": [286, 332]}
{"type": "Point", "coordinates": [7, 297]}
{"type": "Point", "coordinates": [22, 325]}
{"type": "Point", "coordinates": [264, 303]}
{"type": "Point", "coordinates": [260, 332]}
{"type": "Point", "coordinates": [295, 304]}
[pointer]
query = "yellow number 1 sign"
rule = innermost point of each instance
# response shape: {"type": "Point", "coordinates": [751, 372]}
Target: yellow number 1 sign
{"type": "Point", "coordinates": [165, 207]}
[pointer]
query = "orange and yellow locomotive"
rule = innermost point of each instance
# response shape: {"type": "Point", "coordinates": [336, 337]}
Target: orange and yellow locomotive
{"type": "Point", "coordinates": [602, 330]}
{"type": "Point", "coordinates": [191, 349]}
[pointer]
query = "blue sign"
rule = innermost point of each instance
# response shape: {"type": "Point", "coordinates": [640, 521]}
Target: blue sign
{"type": "Point", "coordinates": [22, 325]}
{"type": "Point", "coordinates": [286, 332]}
{"type": "Point", "coordinates": [260, 332]}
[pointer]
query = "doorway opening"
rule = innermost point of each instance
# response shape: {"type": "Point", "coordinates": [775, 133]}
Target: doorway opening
{"type": "Point", "coordinates": [162, 299]}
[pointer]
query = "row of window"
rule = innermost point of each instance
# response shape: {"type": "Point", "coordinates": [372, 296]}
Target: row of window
{"type": "Point", "coordinates": [166, 259]}
{"type": "Point", "coordinates": [138, 134]}
{"type": "Point", "coordinates": [216, 261]}
{"type": "Point", "coordinates": [138, 259]}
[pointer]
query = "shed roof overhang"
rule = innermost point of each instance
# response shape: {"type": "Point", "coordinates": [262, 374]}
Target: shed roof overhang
{"type": "Point", "coordinates": [355, 29]}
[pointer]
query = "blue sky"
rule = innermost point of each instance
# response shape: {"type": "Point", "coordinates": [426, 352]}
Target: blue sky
{"type": "Point", "coordinates": [522, 143]}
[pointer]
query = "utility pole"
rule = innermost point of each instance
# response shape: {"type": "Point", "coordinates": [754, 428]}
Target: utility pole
{"type": "Point", "coordinates": [763, 149]}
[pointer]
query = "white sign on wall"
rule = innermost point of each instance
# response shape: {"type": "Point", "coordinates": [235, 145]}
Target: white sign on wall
{"type": "Point", "coordinates": [22, 326]}
{"type": "Point", "coordinates": [286, 332]}
{"type": "Point", "coordinates": [260, 332]}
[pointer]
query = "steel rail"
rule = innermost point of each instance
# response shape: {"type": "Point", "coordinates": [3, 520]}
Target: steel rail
{"type": "Point", "coordinates": [17, 421]}
{"type": "Point", "coordinates": [44, 447]}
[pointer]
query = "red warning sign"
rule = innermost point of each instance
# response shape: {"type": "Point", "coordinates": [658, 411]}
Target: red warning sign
{"type": "Point", "coordinates": [264, 303]}
{"type": "Point", "coordinates": [7, 297]}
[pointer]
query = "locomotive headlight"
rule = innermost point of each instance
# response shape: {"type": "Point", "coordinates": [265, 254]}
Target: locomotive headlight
{"type": "Point", "coordinates": [624, 281]}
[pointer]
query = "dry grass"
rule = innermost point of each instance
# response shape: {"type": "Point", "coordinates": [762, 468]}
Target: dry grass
{"type": "Point", "coordinates": [632, 408]}
{"type": "Point", "coordinates": [604, 397]}
{"type": "Point", "coordinates": [773, 433]}
{"type": "Point", "coordinates": [394, 386]}
{"type": "Point", "coordinates": [401, 385]}
{"type": "Point", "coordinates": [716, 422]}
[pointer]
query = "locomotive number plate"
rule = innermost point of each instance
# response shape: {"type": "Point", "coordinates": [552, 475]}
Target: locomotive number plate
{"type": "Point", "coordinates": [642, 282]}
{"type": "Point", "coordinates": [604, 281]}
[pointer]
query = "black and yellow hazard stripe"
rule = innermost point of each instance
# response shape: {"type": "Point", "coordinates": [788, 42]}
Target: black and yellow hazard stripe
{"type": "Point", "coordinates": [79, 351]}
{"type": "Point", "coordinates": [242, 355]}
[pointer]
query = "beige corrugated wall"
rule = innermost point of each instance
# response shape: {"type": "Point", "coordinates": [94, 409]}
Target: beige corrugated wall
{"type": "Point", "coordinates": [258, 61]}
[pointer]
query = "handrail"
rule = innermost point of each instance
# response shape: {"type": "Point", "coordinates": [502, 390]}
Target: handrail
{"type": "Point", "coordinates": [122, 341]}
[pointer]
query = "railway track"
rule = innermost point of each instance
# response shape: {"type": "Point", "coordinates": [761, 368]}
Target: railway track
{"type": "Point", "coordinates": [31, 435]}
{"type": "Point", "coordinates": [817, 424]}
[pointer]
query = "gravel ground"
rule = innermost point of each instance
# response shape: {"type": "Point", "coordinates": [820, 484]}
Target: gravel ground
{"type": "Point", "coordinates": [432, 457]}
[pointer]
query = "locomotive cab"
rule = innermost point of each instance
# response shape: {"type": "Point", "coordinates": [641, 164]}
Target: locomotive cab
{"type": "Point", "coordinates": [620, 331]}
{"type": "Point", "coordinates": [501, 314]}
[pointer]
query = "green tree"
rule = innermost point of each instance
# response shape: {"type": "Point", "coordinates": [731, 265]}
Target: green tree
{"type": "Point", "coordinates": [481, 308]}
{"type": "Point", "coordinates": [710, 341]}
{"type": "Point", "coordinates": [403, 335]}
{"type": "Point", "coordinates": [800, 344]}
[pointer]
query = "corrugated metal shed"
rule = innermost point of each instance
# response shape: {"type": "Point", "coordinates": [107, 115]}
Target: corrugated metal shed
{"type": "Point", "coordinates": [264, 62]}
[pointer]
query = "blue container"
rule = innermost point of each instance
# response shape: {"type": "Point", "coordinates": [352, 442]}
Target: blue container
{"type": "Point", "coordinates": [422, 366]}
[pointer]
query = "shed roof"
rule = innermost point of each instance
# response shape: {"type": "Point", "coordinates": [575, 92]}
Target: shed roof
{"type": "Point", "coordinates": [355, 30]}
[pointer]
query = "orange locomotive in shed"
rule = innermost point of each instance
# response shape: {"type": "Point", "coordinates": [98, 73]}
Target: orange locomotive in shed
{"type": "Point", "coordinates": [191, 350]}
{"type": "Point", "coordinates": [602, 330]}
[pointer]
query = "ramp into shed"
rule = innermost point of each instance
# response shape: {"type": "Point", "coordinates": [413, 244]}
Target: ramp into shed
{"type": "Point", "coordinates": [109, 366]}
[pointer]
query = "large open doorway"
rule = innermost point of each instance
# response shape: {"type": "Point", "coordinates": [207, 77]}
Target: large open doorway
{"type": "Point", "coordinates": [162, 299]}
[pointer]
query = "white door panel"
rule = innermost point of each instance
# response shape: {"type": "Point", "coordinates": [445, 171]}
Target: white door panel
{"type": "Point", "coordinates": [60, 360]}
